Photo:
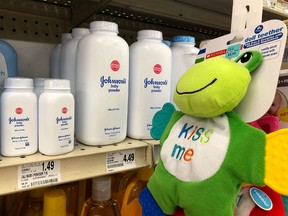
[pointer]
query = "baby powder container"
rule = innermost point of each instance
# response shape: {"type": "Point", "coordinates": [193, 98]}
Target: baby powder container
{"type": "Point", "coordinates": [102, 85]}
{"type": "Point", "coordinates": [55, 56]}
{"type": "Point", "coordinates": [38, 85]}
{"type": "Point", "coordinates": [68, 56]}
{"type": "Point", "coordinates": [38, 89]}
{"type": "Point", "coordinates": [56, 118]}
{"type": "Point", "coordinates": [184, 54]}
{"type": "Point", "coordinates": [1, 86]}
{"type": "Point", "coordinates": [167, 42]}
{"type": "Point", "coordinates": [149, 86]}
{"type": "Point", "coordinates": [8, 61]}
{"type": "Point", "coordinates": [18, 117]}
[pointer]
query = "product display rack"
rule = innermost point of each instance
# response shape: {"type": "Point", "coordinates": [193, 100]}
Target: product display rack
{"type": "Point", "coordinates": [82, 163]}
{"type": "Point", "coordinates": [44, 21]}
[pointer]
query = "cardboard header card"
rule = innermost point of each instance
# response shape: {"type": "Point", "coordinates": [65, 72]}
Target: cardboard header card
{"type": "Point", "coordinates": [269, 38]}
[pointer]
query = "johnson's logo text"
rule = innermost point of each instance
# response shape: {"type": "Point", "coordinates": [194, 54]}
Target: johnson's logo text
{"type": "Point", "coordinates": [109, 80]}
{"type": "Point", "coordinates": [153, 82]}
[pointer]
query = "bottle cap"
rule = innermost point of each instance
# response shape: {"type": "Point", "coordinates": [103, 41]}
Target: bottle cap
{"type": "Point", "coordinates": [60, 84]}
{"type": "Point", "coordinates": [54, 203]}
{"type": "Point", "coordinates": [66, 36]}
{"type": "Point", "coordinates": [184, 39]}
{"type": "Point", "coordinates": [80, 32]}
{"type": "Point", "coordinates": [101, 188]}
{"type": "Point", "coordinates": [38, 82]}
{"type": "Point", "coordinates": [104, 25]}
{"type": "Point", "coordinates": [17, 82]}
{"type": "Point", "coordinates": [167, 42]}
{"type": "Point", "coordinates": [149, 34]}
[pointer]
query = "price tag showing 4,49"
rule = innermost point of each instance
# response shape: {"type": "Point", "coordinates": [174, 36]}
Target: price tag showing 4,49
{"type": "Point", "coordinates": [122, 160]}
{"type": "Point", "coordinates": [39, 173]}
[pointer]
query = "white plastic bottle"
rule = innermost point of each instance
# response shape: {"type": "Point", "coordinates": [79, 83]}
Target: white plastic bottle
{"type": "Point", "coordinates": [102, 85]}
{"type": "Point", "coordinates": [56, 118]}
{"type": "Point", "coordinates": [1, 86]}
{"type": "Point", "coordinates": [38, 85]}
{"type": "Point", "coordinates": [184, 54]}
{"type": "Point", "coordinates": [68, 56]}
{"type": "Point", "coordinates": [167, 42]}
{"type": "Point", "coordinates": [149, 86]}
{"type": "Point", "coordinates": [18, 117]}
{"type": "Point", "coordinates": [55, 56]}
{"type": "Point", "coordinates": [8, 61]}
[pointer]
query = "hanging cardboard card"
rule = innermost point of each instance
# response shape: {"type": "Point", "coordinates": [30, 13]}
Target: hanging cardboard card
{"type": "Point", "coordinates": [269, 38]}
{"type": "Point", "coordinates": [246, 14]}
{"type": "Point", "coordinates": [281, 99]}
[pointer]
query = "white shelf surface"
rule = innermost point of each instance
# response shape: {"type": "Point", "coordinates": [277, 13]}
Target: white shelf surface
{"type": "Point", "coordinates": [82, 163]}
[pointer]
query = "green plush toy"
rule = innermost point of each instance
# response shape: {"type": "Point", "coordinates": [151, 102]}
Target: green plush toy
{"type": "Point", "coordinates": [207, 151]}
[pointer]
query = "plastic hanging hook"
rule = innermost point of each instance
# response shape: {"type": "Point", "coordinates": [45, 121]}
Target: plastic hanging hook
{"type": "Point", "coordinates": [245, 14]}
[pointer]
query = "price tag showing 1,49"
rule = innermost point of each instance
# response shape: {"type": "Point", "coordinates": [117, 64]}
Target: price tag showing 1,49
{"type": "Point", "coordinates": [122, 160]}
{"type": "Point", "coordinates": [39, 173]}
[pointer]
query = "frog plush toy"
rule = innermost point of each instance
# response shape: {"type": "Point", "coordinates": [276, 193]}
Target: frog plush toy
{"type": "Point", "coordinates": [207, 151]}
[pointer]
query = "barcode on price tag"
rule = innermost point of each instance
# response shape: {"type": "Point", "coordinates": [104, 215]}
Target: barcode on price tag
{"type": "Point", "coordinates": [119, 161]}
{"type": "Point", "coordinates": [38, 174]}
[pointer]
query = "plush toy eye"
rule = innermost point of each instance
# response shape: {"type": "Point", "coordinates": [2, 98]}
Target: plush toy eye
{"type": "Point", "coordinates": [245, 58]}
{"type": "Point", "coordinates": [250, 59]}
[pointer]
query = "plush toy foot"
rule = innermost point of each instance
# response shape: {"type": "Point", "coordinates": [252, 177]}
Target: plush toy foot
{"type": "Point", "coordinates": [149, 205]}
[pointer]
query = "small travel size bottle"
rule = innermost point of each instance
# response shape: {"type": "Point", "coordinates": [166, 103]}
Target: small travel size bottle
{"type": "Point", "coordinates": [18, 117]}
{"type": "Point", "coordinates": [56, 118]}
{"type": "Point", "coordinates": [101, 203]}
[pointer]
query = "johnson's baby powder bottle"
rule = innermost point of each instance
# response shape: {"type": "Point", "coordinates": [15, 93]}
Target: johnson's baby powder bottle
{"type": "Point", "coordinates": [55, 56]}
{"type": "Point", "coordinates": [68, 56]}
{"type": "Point", "coordinates": [56, 118]}
{"type": "Point", "coordinates": [18, 117]}
{"type": "Point", "coordinates": [38, 85]}
{"type": "Point", "coordinates": [38, 89]}
{"type": "Point", "coordinates": [184, 54]}
{"type": "Point", "coordinates": [102, 85]}
{"type": "Point", "coordinates": [149, 86]}
{"type": "Point", "coordinates": [1, 86]}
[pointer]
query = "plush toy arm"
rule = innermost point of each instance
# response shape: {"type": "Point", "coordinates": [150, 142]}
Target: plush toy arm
{"type": "Point", "coordinates": [160, 120]}
{"type": "Point", "coordinates": [276, 161]}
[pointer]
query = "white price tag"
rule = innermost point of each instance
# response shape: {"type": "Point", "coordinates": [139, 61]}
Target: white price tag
{"type": "Point", "coordinates": [118, 161]}
{"type": "Point", "coordinates": [37, 174]}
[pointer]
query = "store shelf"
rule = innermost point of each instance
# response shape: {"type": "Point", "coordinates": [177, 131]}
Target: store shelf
{"type": "Point", "coordinates": [46, 20]}
{"type": "Point", "coordinates": [277, 12]}
{"type": "Point", "coordinates": [155, 149]}
{"type": "Point", "coordinates": [82, 163]}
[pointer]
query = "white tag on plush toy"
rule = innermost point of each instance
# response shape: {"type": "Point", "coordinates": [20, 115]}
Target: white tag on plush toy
{"type": "Point", "coordinates": [269, 38]}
